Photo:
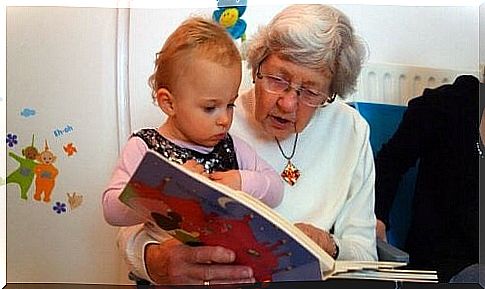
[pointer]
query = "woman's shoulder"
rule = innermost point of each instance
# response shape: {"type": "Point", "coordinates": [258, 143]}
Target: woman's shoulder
{"type": "Point", "coordinates": [342, 112]}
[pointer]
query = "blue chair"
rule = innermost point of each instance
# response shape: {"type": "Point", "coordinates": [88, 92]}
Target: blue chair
{"type": "Point", "coordinates": [383, 120]}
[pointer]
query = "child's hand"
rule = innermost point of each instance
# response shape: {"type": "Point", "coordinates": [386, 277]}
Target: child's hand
{"type": "Point", "coordinates": [194, 166]}
{"type": "Point", "coordinates": [230, 178]}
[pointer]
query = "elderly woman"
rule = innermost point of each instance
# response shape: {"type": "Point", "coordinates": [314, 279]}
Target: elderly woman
{"type": "Point", "coordinates": [304, 58]}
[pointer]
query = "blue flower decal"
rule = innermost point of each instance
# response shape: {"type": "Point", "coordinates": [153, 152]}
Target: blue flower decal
{"type": "Point", "coordinates": [59, 207]}
{"type": "Point", "coordinates": [11, 139]}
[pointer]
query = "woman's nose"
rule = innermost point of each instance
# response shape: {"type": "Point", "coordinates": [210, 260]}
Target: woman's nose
{"type": "Point", "coordinates": [288, 101]}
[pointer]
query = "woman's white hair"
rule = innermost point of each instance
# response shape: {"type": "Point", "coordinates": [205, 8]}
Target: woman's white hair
{"type": "Point", "coordinates": [314, 36]}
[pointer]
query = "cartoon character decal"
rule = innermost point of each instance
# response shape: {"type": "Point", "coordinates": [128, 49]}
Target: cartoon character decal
{"type": "Point", "coordinates": [24, 174]}
{"type": "Point", "coordinates": [45, 174]}
{"type": "Point", "coordinates": [229, 16]}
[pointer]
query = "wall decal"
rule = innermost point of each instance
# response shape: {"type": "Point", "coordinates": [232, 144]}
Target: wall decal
{"type": "Point", "coordinates": [74, 200]}
{"type": "Point", "coordinates": [60, 132]}
{"type": "Point", "coordinates": [11, 139]}
{"type": "Point", "coordinates": [59, 207]}
{"type": "Point", "coordinates": [45, 174]}
{"type": "Point", "coordinates": [70, 149]}
{"type": "Point", "coordinates": [24, 174]}
{"type": "Point", "coordinates": [229, 14]}
{"type": "Point", "coordinates": [27, 112]}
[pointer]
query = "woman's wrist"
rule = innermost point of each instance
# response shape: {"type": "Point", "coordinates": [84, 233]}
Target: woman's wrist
{"type": "Point", "coordinates": [335, 249]}
{"type": "Point", "coordinates": [157, 259]}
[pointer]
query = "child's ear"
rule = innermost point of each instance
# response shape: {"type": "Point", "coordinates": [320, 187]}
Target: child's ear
{"type": "Point", "coordinates": [165, 101]}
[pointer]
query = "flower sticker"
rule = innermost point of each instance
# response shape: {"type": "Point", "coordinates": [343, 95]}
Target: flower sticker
{"type": "Point", "coordinates": [70, 149]}
{"type": "Point", "coordinates": [59, 207]}
{"type": "Point", "coordinates": [11, 139]}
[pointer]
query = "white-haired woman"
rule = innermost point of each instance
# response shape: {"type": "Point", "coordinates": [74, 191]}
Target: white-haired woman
{"type": "Point", "coordinates": [302, 60]}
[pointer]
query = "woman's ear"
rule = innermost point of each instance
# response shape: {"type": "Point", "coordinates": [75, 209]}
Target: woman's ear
{"type": "Point", "coordinates": [165, 101]}
{"type": "Point", "coordinates": [253, 74]}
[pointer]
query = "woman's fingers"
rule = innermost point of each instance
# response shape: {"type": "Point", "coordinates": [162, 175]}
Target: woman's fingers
{"type": "Point", "coordinates": [209, 263]}
{"type": "Point", "coordinates": [209, 254]}
{"type": "Point", "coordinates": [216, 273]}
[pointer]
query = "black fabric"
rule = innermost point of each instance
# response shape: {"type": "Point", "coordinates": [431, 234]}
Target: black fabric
{"type": "Point", "coordinates": [221, 158]}
{"type": "Point", "coordinates": [441, 129]}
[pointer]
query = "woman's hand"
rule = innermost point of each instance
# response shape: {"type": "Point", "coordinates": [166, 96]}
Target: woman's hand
{"type": "Point", "coordinates": [230, 178]}
{"type": "Point", "coordinates": [381, 230]}
{"type": "Point", "coordinates": [321, 237]}
{"type": "Point", "coordinates": [175, 263]}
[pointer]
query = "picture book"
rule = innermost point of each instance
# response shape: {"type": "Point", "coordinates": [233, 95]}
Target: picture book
{"type": "Point", "coordinates": [198, 211]}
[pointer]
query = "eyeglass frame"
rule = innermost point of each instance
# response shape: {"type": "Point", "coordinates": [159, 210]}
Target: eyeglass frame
{"type": "Point", "coordinates": [298, 89]}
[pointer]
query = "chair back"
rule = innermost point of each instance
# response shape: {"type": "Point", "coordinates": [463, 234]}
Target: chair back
{"type": "Point", "coordinates": [384, 120]}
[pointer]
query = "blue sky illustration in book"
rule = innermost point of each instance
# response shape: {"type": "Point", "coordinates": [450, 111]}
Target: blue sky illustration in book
{"type": "Point", "coordinates": [197, 214]}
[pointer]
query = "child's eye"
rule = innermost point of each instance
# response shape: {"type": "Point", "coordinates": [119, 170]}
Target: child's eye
{"type": "Point", "coordinates": [209, 108]}
{"type": "Point", "coordinates": [231, 105]}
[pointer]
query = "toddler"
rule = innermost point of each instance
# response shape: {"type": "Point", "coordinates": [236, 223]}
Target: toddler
{"type": "Point", "coordinates": [195, 83]}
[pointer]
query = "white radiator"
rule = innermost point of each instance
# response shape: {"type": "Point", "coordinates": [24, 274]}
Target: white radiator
{"type": "Point", "coordinates": [397, 84]}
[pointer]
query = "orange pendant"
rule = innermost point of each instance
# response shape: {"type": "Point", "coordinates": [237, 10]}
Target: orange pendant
{"type": "Point", "coordinates": [290, 174]}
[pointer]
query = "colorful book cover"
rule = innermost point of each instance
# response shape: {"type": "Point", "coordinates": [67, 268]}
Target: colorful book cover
{"type": "Point", "coordinates": [197, 211]}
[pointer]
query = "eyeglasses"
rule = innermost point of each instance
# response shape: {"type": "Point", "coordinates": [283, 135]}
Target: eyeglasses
{"type": "Point", "coordinates": [277, 85]}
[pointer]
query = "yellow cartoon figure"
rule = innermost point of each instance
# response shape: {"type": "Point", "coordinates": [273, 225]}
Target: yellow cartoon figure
{"type": "Point", "coordinates": [45, 174]}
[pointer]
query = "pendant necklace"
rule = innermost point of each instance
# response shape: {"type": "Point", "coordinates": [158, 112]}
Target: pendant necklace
{"type": "Point", "coordinates": [290, 174]}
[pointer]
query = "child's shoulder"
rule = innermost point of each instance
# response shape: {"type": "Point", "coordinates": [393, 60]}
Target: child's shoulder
{"type": "Point", "coordinates": [145, 132]}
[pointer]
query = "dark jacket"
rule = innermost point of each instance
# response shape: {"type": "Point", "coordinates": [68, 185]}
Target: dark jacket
{"type": "Point", "coordinates": [440, 128]}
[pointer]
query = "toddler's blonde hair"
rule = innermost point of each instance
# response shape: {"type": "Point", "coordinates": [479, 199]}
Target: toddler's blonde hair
{"type": "Point", "coordinates": [195, 37]}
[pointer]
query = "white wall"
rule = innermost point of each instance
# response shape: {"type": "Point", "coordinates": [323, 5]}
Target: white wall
{"type": "Point", "coordinates": [408, 35]}
{"type": "Point", "coordinates": [61, 62]}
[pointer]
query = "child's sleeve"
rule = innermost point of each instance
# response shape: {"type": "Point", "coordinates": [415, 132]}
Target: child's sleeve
{"type": "Point", "coordinates": [258, 178]}
{"type": "Point", "coordinates": [115, 212]}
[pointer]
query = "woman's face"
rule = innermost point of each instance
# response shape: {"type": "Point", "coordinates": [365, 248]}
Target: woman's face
{"type": "Point", "coordinates": [281, 114]}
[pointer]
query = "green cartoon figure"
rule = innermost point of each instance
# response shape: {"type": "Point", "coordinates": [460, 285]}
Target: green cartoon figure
{"type": "Point", "coordinates": [24, 174]}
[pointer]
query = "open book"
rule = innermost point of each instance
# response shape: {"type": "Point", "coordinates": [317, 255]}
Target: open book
{"type": "Point", "coordinates": [198, 211]}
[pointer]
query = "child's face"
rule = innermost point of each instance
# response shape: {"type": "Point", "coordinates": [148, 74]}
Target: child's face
{"type": "Point", "coordinates": [203, 102]}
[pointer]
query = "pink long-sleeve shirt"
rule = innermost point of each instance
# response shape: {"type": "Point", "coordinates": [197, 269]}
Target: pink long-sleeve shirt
{"type": "Point", "coordinates": [258, 178]}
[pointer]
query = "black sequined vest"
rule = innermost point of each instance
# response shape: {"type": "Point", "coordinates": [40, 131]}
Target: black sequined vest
{"type": "Point", "coordinates": [221, 158]}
